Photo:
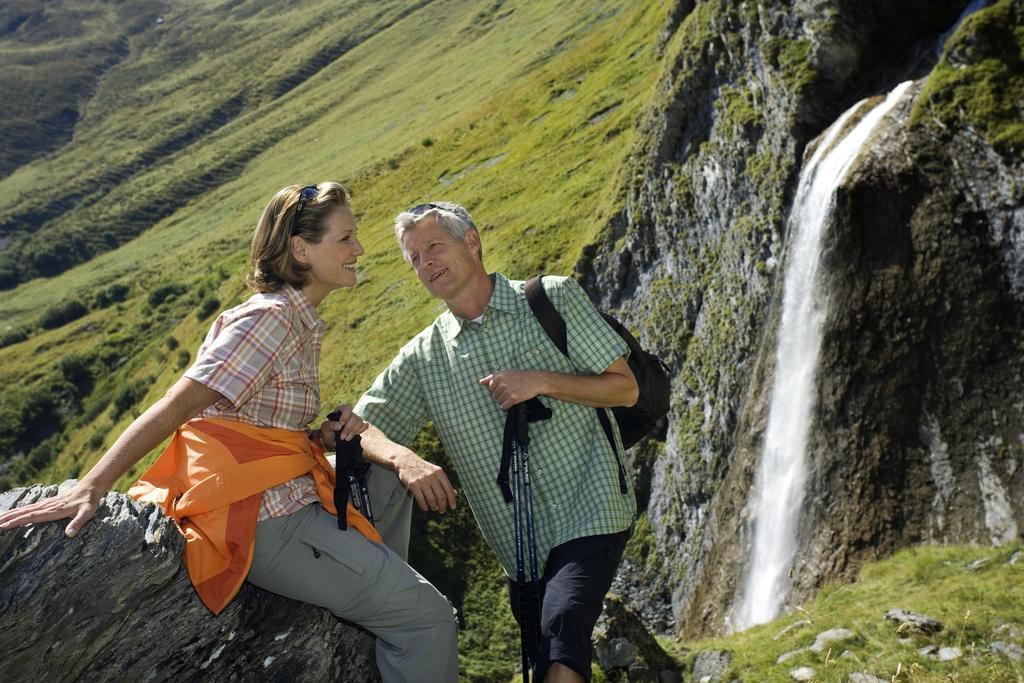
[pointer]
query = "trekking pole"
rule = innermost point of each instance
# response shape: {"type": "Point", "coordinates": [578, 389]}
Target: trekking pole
{"type": "Point", "coordinates": [517, 528]}
{"type": "Point", "coordinates": [515, 455]}
{"type": "Point", "coordinates": [522, 444]}
{"type": "Point", "coordinates": [351, 473]}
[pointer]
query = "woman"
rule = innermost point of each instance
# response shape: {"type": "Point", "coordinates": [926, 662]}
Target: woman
{"type": "Point", "coordinates": [241, 475]}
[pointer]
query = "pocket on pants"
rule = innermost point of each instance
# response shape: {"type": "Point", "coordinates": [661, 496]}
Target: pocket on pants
{"type": "Point", "coordinates": [345, 547]}
{"type": "Point", "coordinates": [273, 537]}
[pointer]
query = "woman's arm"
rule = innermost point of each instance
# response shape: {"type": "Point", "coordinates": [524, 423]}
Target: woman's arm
{"type": "Point", "coordinates": [182, 402]}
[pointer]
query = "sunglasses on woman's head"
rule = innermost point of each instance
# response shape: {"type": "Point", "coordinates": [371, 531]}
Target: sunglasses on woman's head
{"type": "Point", "coordinates": [306, 195]}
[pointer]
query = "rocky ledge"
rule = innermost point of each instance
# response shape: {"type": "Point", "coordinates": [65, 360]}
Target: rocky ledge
{"type": "Point", "coordinates": [115, 603]}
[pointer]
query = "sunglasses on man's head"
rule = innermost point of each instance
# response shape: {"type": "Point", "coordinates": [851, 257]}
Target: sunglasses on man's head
{"type": "Point", "coordinates": [423, 208]}
{"type": "Point", "coordinates": [306, 195]}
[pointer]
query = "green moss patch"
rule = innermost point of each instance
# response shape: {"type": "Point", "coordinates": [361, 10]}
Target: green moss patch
{"type": "Point", "coordinates": [979, 82]}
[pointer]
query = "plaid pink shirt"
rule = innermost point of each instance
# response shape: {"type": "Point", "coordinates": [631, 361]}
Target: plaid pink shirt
{"type": "Point", "coordinates": [263, 356]}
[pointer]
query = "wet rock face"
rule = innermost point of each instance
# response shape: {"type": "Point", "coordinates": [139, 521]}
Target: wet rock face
{"type": "Point", "coordinates": [917, 435]}
{"type": "Point", "coordinates": [116, 603]}
{"type": "Point", "coordinates": [692, 263]}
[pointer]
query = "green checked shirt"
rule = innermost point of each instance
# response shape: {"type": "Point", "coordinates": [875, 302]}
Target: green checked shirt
{"type": "Point", "coordinates": [573, 469]}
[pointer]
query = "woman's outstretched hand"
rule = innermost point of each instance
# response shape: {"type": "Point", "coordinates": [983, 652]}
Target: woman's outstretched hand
{"type": "Point", "coordinates": [78, 503]}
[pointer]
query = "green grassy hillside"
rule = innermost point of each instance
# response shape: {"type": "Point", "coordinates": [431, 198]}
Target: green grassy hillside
{"type": "Point", "coordinates": [975, 592]}
{"type": "Point", "coordinates": [522, 111]}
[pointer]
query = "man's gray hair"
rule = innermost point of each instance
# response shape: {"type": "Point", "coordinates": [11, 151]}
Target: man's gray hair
{"type": "Point", "coordinates": [453, 219]}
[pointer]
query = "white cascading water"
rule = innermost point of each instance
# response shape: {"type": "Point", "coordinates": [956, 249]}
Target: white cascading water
{"type": "Point", "coordinates": [779, 488]}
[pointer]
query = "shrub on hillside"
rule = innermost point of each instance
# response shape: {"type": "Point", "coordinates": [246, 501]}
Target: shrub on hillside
{"type": "Point", "coordinates": [165, 292]}
{"type": "Point", "coordinates": [207, 307]}
{"type": "Point", "coordinates": [113, 294]}
{"type": "Point", "coordinates": [129, 395]}
{"type": "Point", "coordinates": [13, 336]}
{"type": "Point", "coordinates": [63, 313]}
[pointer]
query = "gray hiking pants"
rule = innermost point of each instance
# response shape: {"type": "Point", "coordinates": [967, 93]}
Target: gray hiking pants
{"type": "Point", "coordinates": [306, 557]}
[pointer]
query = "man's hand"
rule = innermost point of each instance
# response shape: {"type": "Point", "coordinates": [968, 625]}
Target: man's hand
{"type": "Point", "coordinates": [509, 387]}
{"type": "Point", "coordinates": [349, 424]}
{"type": "Point", "coordinates": [427, 483]}
{"type": "Point", "coordinates": [79, 504]}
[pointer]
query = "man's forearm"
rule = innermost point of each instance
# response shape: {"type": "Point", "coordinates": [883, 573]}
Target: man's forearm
{"type": "Point", "coordinates": [616, 386]}
{"type": "Point", "coordinates": [379, 449]}
{"type": "Point", "coordinates": [427, 482]}
{"type": "Point", "coordinates": [597, 391]}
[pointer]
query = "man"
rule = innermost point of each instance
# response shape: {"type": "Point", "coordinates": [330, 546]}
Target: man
{"type": "Point", "coordinates": [486, 353]}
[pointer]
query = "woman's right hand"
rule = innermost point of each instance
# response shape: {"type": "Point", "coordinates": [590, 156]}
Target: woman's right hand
{"type": "Point", "coordinates": [78, 503]}
{"type": "Point", "coordinates": [348, 423]}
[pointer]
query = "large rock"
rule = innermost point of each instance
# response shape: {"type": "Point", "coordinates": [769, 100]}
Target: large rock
{"type": "Point", "coordinates": [626, 650]}
{"type": "Point", "coordinates": [115, 603]}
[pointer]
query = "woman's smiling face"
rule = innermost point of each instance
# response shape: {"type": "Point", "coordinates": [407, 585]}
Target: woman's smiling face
{"type": "Point", "coordinates": [332, 260]}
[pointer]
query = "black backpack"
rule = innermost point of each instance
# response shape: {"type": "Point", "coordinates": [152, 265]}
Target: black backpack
{"type": "Point", "coordinates": [636, 421]}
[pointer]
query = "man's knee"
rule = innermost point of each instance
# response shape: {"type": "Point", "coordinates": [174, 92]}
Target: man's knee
{"type": "Point", "coordinates": [569, 621]}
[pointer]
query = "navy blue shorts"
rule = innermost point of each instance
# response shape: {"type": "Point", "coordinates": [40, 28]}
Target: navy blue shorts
{"type": "Point", "coordinates": [576, 579]}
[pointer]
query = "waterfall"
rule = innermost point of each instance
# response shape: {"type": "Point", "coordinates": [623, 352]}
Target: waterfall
{"type": "Point", "coordinates": [779, 487]}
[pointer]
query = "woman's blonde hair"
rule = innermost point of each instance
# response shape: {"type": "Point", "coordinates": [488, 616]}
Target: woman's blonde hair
{"type": "Point", "coordinates": [270, 252]}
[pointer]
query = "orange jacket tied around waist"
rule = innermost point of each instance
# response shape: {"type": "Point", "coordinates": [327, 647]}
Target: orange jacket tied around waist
{"type": "Point", "coordinates": [210, 480]}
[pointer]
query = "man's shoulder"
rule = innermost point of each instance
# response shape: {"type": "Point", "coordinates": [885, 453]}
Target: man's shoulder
{"type": "Point", "coordinates": [554, 285]}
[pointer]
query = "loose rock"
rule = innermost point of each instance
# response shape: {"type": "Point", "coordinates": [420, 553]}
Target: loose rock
{"type": "Point", "coordinates": [804, 673]}
{"type": "Point", "coordinates": [792, 627]}
{"type": "Point", "coordinates": [978, 564]}
{"type": "Point", "coordinates": [915, 621]}
{"type": "Point", "coordinates": [623, 643]}
{"type": "Point", "coordinates": [1012, 651]}
{"type": "Point", "coordinates": [1011, 631]}
{"type": "Point", "coordinates": [948, 654]}
{"type": "Point", "coordinates": [835, 635]}
{"type": "Point", "coordinates": [711, 664]}
{"type": "Point", "coordinates": [860, 677]}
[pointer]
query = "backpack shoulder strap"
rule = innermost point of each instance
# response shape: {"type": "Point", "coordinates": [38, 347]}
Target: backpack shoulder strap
{"type": "Point", "coordinates": [554, 325]}
{"type": "Point", "coordinates": [546, 313]}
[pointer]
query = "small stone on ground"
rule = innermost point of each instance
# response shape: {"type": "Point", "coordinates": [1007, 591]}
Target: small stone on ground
{"type": "Point", "coordinates": [792, 627]}
{"type": "Point", "coordinates": [804, 673]}
{"type": "Point", "coordinates": [860, 677]}
{"type": "Point", "coordinates": [978, 564]}
{"type": "Point", "coordinates": [1012, 651]}
{"type": "Point", "coordinates": [826, 638]}
{"type": "Point", "coordinates": [914, 620]}
{"type": "Point", "coordinates": [711, 664]}
{"type": "Point", "coordinates": [1011, 631]}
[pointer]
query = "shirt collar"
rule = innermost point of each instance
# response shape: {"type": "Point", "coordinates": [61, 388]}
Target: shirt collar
{"type": "Point", "coordinates": [503, 298]}
{"type": "Point", "coordinates": [307, 313]}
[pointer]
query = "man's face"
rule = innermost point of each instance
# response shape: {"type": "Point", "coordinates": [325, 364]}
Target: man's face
{"type": "Point", "coordinates": [442, 263]}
